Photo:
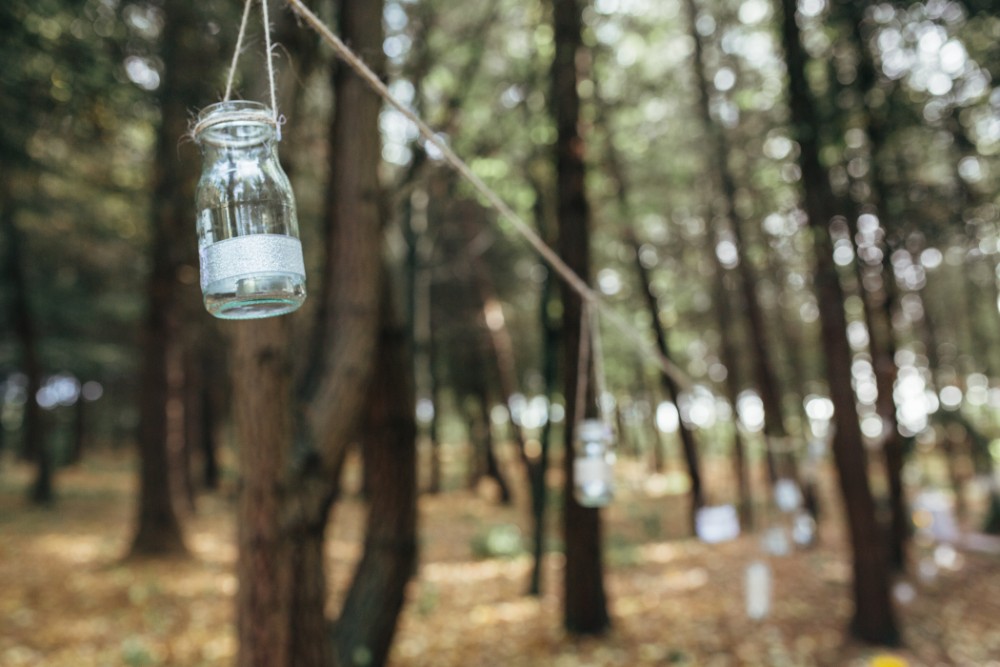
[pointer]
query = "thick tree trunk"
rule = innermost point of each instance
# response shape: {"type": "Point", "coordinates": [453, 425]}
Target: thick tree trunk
{"type": "Point", "coordinates": [264, 433]}
{"type": "Point", "coordinates": [690, 448]}
{"type": "Point", "coordinates": [584, 599]}
{"type": "Point", "coordinates": [874, 618]}
{"type": "Point", "coordinates": [339, 370]}
{"type": "Point", "coordinates": [363, 633]}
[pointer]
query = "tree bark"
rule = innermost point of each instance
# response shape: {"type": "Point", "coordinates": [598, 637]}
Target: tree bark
{"type": "Point", "coordinates": [764, 375]}
{"type": "Point", "coordinates": [34, 446]}
{"type": "Point", "coordinates": [584, 600]}
{"type": "Point", "coordinates": [79, 430]}
{"type": "Point", "coordinates": [879, 303]}
{"type": "Point", "coordinates": [874, 618]}
{"type": "Point", "coordinates": [183, 87]}
{"type": "Point", "coordinates": [670, 387]}
{"type": "Point", "coordinates": [484, 428]}
{"type": "Point", "coordinates": [363, 633]}
{"type": "Point", "coordinates": [264, 432]}
{"type": "Point", "coordinates": [537, 471]}
{"type": "Point", "coordinates": [340, 355]}
{"type": "Point", "coordinates": [729, 356]}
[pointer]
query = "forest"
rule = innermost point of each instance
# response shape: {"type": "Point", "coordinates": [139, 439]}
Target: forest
{"type": "Point", "coordinates": [504, 332]}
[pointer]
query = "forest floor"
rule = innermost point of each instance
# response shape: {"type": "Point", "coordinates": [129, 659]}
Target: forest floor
{"type": "Point", "coordinates": [67, 599]}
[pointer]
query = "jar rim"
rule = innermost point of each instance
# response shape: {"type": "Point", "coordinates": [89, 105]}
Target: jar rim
{"type": "Point", "coordinates": [234, 123]}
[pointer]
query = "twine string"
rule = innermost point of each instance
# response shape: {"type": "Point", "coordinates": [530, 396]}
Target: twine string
{"type": "Point", "coordinates": [582, 364]}
{"type": "Point", "coordinates": [237, 50]}
{"type": "Point", "coordinates": [568, 275]}
{"type": "Point", "coordinates": [600, 381]}
{"type": "Point", "coordinates": [270, 117]}
{"type": "Point", "coordinates": [270, 67]}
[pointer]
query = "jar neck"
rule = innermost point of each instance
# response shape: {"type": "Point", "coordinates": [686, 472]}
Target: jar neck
{"type": "Point", "coordinates": [257, 151]}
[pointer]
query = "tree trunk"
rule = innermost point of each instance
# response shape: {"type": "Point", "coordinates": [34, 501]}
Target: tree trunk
{"type": "Point", "coordinates": [310, 638]}
{"type": "Point", "coordinates": [207, 440]}
{"type": "Point", "coordinates": [79, 430]}
{"type": "Point", "coordinates": [879, 303]}
{"type": "Point", "coordinates": [584, 600]}
{"type": "Point", "coordinates": [183, 87]}
{"type": "Point", "coordinates": [34, 447]}
{"type": "Point", "coordinates": [334, 389]}
{"type": "Point", "coordinates": [434, 381]}
{"type": "Point", "coordinates": [729, 359]}
{"type": "Point", "coordinates": [485, 443]}
{"type": "Point", "coordinates": [263, 431]}
{"type": "Point", "coordinates": [765, 377]}
{"type": "Point", "coordinates": [363, 633]}
{"type": "Point", "coordinates": [194, 416]}
{"type": "Point", "coordinates": [537, 471]}
{"type": "Point", "coordinates": [670, 387]}
{"type": "Point", "coordinates": [874, 618]}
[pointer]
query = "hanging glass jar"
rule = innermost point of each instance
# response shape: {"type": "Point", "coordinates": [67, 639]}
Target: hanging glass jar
{"type": "Point", "coordinates": [593, 465]}
{"type": "Point", "coordinates": [248, 234]}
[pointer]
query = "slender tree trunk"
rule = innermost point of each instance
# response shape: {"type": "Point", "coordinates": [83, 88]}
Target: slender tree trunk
{"type": "Point", "coordinates": [879, 302]}
{"type": "Point", "coordinates": [474, 465]}
{"type": "Point", "coordinates": [363, 633]}
{"type": "Point", "coordinates": [874, 618]}
{"type": "Point", "coordinates": [729, 359]}
{"type": "Point", "coordinates": [183, 87]}
{"type": "Point", "coordinates": [537, 472]}
{"type": "Point", "coordinates": [485, 442]}
{"type": "Point", "coordinates": [177, 423]}
{"type": "Point", "coordinates": [208, 439]}
{"type": "Point", "coordinates": [41, 488]}
{"type": "Point", "coordinates": [79, 430]}
{"type": "Point", "coordinates": [584, 599]}
{"type": "Point", "coordinates": [435, 483]}
{"type": "Point", "coordinates": [194, 381]}
{"type": "Point", "coordinates": [264, 431]}
{"type": "Point", "coordinates": [670, 387]}
{"type": "Point", "coordinates": [502, 347]}
{"type": "Point", "coordinates": [655, 437]}
{"type": "Point", "coordinates": [34, 446]}
{"type": "Point", "coordinates": [765, 377]}
{"type": "Point", "coordinates": [952, 450]}
{"type": "Point", "coordinates": [434, 381]}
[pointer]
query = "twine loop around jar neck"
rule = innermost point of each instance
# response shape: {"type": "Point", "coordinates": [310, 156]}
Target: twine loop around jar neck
{"type": "Point", "coordinates": [235, 113]}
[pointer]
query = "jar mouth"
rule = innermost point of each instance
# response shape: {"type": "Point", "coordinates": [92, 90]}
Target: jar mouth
{"type": "Point", "coordinates": [234, 124]}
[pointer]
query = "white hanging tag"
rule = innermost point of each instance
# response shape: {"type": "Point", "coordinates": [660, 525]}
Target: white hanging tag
{"type": "Point", "coordinates": [787, 496]}
{"type": "Point", "coordinates": [803, 529]}
{"type": "Point", "coordinates": [758, 590]}
{"type": "Point", "coordinates": [776, 541]}
{"type": "Point", "coordinates": [717, 524]}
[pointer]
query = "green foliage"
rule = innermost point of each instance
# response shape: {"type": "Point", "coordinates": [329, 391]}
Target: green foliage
{"type": "Point", "coordinates": [499, 541]}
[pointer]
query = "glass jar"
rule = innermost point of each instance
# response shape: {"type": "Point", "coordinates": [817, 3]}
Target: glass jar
{"type": "Point", "coordinates": [248, 234]}
{"type": "Point", "coordinates": [593, 465]}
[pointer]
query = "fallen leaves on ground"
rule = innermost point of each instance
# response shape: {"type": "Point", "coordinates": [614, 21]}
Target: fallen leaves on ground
{"type": "Point", "coordinates": [68, 600]}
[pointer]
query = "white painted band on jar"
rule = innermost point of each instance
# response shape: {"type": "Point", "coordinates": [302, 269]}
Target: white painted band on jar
{"type": "Point", "coordinates": [244, 256]}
